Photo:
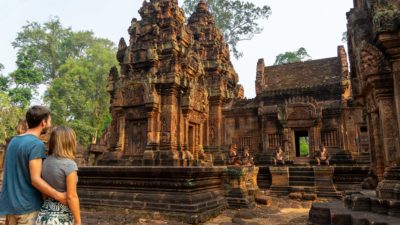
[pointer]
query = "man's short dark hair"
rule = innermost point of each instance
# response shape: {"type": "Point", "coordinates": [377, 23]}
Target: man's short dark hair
{"type": "Point", "coordinates": [35, 115]}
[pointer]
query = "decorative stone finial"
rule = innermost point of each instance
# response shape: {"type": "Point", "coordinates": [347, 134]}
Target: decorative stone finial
{"type": "Point", "coordinates": [121, 50]}
{"type": "Point", "coordinates": [202, 5]}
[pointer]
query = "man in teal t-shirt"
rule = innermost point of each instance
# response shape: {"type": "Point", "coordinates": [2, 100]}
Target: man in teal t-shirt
{"type": "Point", "coordinates": [21, 197]}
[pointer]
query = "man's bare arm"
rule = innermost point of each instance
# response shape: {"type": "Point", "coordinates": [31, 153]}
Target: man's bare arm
{"type": "Point", "coordinates": [35, 170]}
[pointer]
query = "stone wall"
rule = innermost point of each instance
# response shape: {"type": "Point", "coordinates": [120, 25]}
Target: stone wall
{"type": "Point", "coordinates": [373, 39]}
{"type": "Point", "coordinates": [313, 97]}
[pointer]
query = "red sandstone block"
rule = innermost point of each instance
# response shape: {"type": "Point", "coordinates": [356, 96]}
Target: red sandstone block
{"type": "Point", "coordinates": [262, 199]}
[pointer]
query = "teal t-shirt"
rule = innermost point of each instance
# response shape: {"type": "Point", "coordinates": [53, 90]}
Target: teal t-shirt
{"type": "Point", "coordinates": [18, 196]}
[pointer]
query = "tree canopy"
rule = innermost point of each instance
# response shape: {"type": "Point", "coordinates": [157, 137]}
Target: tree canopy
{"type": "Point", "coordinates": [73, 65]}
{"type": "Point", "coordinates": [78, 97]}
{"type": "Point", "coordinates": [46, 44]}
{"type": "Point", "coordinates": [9, 114]}
{"type": "Point", "coordinates": [238, 20]}
{"type": "Point", "coordinates": [292, 57]}
{"type": "Point", "coordinates": [3, 80]}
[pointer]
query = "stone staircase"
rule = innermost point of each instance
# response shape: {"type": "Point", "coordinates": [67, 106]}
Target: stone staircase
{"type": "Point", "coordinates": [305, 181]}
{"type": "Point", "coordinates": [301, 179]}
{"type": "Point", "coordinates": [364, 158]}
{"type": "Point", "coordinates": [301, 176]}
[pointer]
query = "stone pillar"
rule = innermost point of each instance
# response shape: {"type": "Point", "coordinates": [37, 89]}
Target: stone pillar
{"type": "Point", "coordinates": [201, 135]}
{"type": "Point", "coordinates": [168, 155]}
{"type": "Point", "coordinates": [388, 128]}
{"type": "Point", "coordinates": [121, 137]}
{"type": "Point", "coordinates": [280, 180]}
{"type": "Point", "coordinates": [113, 139]}
{"type": "Point", "coordinates": [285, 146]}
{"type": "Point", "coordinates": [372, 142]}
{"type": "Point", "coordinates": [396, 85]}
{"type": "Point", "coordinates": [316, 135]}
{"type": "Point", "coordinates": [389, 109]}
{"type": "Point", "coordinates": [219, 125]}
{"type": "Point", "coordinates": [148, 154]}
{"type": "Point", "coordinates": [380, 165]}
{"type": "Point", "coordinates": [185, 151]}
{"type": "Point", "coordinates": [216, 120]}
{"type": "Point", "coordinates": [150, 128]}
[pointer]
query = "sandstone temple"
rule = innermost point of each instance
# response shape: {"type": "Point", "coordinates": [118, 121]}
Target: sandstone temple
{"type": "Point", "coordinates": [178, 112]}
{"type": "Point", "coordinates": [180, 119]}
{"type": "Point", "coordinates": [177, 93]}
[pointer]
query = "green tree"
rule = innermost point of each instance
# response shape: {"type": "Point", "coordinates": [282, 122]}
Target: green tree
{"type": "Point", "coordinates": [24, 81]}
{"type": "Point", "coordinates": [73, 65]}
{"type": "Point", "coordinates": [9, 117]}
{"type": "Point", "coordinates": [3, 80]}
{"type": "Point", "coordinates": [238, 20]}
{"type": "Point", "coordinates": [292, 57]}
{"type": "Point", "coordinates": [49, 45]}
{"type": "Point", "coordinates": [78, 97]}
{"type": "Point", "coordinates": [9, 114]}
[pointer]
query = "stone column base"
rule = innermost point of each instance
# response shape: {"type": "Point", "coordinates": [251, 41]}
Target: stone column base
{"type": "Point", "coordinates": [280, 180]}
{"type": "Point", "coordinates": [241, 186]}
{"type": "Point", "coordinates": [323, 176]}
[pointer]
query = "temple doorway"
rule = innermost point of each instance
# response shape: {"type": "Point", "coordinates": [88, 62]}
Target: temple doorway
{"type": "Point", "coordinates": [302, 143]}
{"type": "Point", "coordinates": [137, 137]}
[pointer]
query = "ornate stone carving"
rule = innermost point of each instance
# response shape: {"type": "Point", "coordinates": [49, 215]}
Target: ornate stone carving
{"type": "Point", "coordinates": [372, 60]}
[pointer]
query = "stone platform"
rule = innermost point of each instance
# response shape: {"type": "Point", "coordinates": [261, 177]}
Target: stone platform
{"type": "Point", "coordinates": [190, 194]}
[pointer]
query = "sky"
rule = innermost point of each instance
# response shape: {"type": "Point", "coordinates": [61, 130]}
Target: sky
{"type": "Point", "coordinates": [316, 25]}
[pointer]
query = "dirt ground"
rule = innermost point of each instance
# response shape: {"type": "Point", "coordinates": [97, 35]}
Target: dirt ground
{"type": "Point", "coordinates": [281, 211]}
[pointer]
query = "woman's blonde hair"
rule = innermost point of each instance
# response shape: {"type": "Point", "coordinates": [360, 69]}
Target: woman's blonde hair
{"type": "Point", "coordinates": [22, 127]}
{"type": "Point", "coordinates": [62, 143]}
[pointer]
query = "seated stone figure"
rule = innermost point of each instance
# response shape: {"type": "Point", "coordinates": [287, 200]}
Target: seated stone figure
{"type": "Point", "coordinates": [322, 156]}
{"type": "Point", "coordinates": [247, 159]}
{"type": "Point", "coordinates": [233, 157]}
{"type": "Point", "coordinates": [279, 157]}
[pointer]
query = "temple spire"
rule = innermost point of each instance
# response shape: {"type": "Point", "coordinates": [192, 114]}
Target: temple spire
{"type": "Point", "coordinates": [202, 6]}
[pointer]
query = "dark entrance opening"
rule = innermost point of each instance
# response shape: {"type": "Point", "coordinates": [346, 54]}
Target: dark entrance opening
{"type": "Point", "coordinates": [302, 143]}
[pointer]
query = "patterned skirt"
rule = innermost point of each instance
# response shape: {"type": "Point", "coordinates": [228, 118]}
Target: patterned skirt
{"type": "Point", "coordinates": [54, 213]}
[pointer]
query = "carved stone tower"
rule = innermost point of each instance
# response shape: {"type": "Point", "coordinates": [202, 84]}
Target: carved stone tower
{"type": "Point", "coordinates": [222, 80]}
{"type": "Point", "coordinates": [159, 99]}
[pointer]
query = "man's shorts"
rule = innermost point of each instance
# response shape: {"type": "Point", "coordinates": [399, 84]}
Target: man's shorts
{"type": "Point", "coordinates": [24, 219]}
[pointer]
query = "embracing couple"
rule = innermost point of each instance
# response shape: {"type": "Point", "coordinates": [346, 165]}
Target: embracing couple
{"type": "Point", "coordinates": [38, 189]}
